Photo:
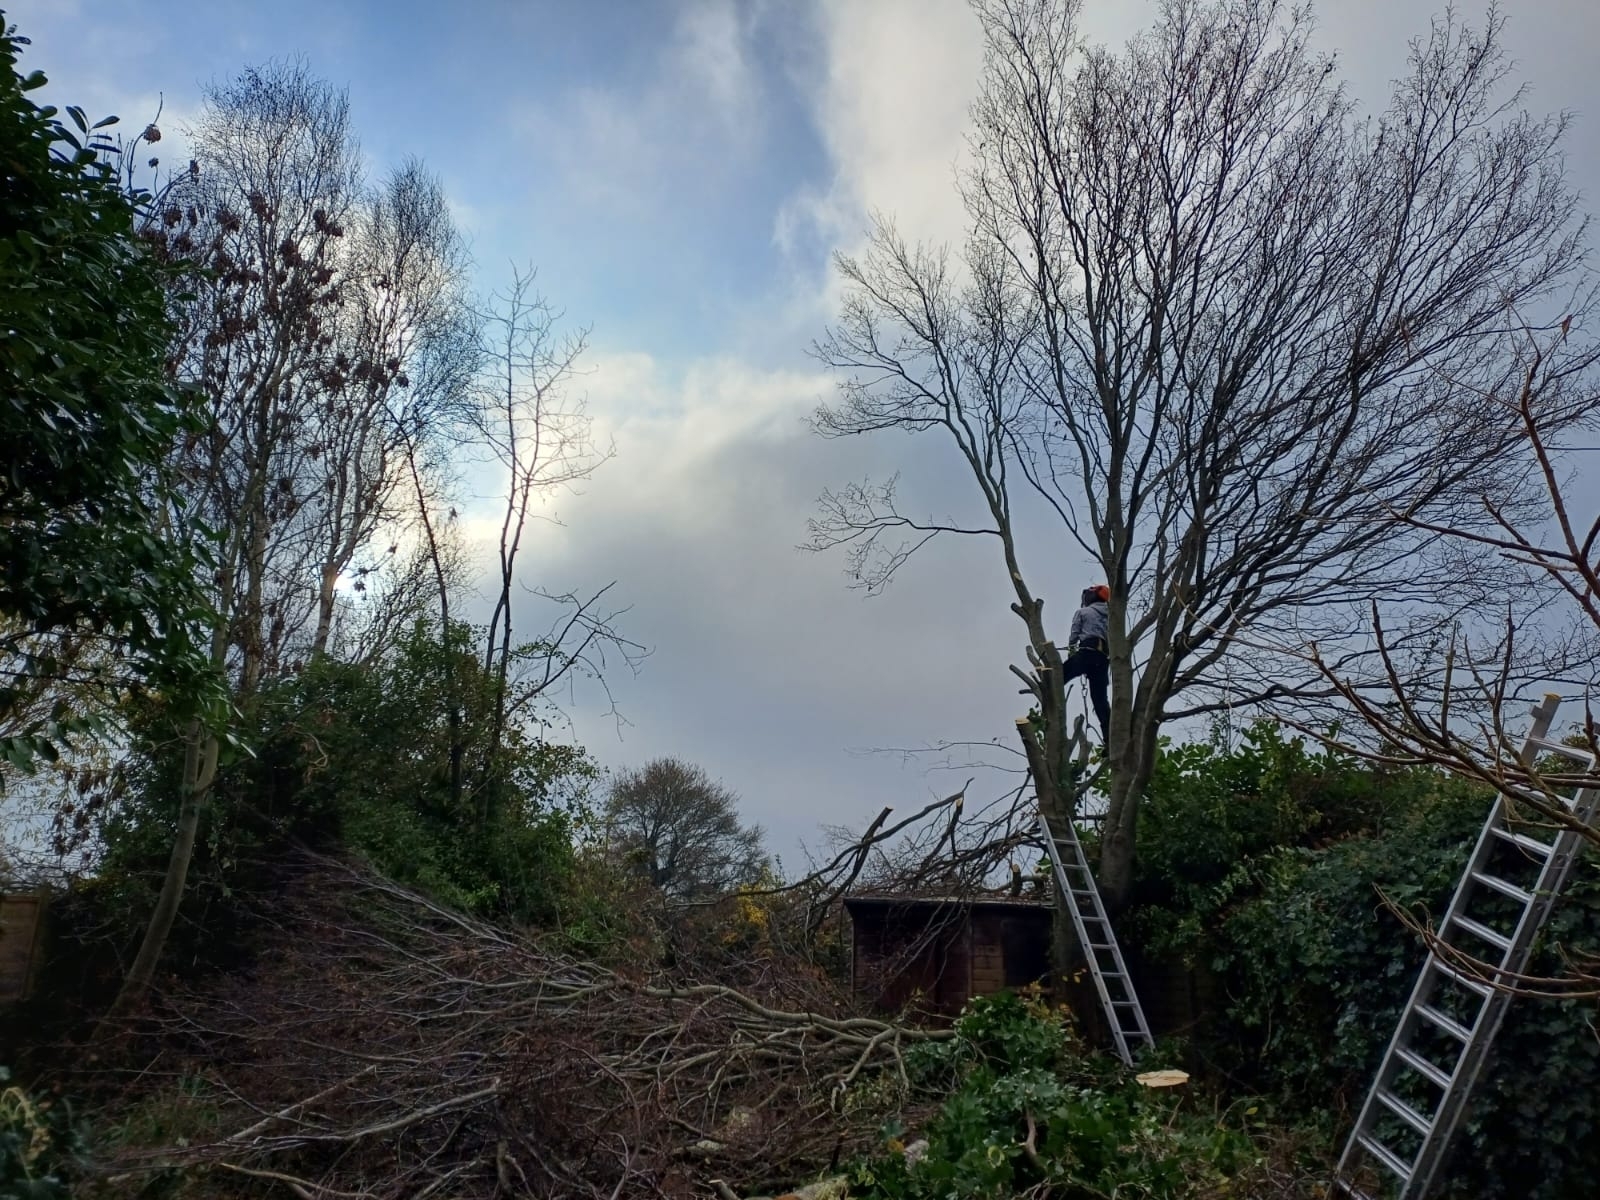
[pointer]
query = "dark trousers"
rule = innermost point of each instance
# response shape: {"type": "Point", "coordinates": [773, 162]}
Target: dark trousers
{"type": "Point", "coordinates": [1096, 668]}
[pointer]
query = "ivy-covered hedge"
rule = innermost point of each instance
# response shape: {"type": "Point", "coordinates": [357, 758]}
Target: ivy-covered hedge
{"type": "Point", "coordinates": [1262, 865]}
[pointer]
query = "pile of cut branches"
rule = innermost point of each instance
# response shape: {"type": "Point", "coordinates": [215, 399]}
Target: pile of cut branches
{"type": "Point", "coordinates": [385, 1046]}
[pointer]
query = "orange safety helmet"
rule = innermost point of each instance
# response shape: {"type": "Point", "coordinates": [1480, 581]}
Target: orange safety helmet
{"type": "Point", "coordinates": [1101, 592]}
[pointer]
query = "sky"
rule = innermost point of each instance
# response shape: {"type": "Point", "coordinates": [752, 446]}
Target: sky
{"type": "Point", "coordinates": [680, 173]}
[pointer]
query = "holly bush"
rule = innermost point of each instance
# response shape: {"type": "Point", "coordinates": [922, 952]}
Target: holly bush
{"type": "Point", "coordinates": [88, 414]}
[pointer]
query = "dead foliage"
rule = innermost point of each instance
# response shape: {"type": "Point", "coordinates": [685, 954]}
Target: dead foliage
{"type": "Point", "coordinates": [385, 1046]}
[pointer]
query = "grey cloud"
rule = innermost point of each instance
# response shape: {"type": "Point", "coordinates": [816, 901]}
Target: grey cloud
{"type": "Point", "coordinates": [766, 668]}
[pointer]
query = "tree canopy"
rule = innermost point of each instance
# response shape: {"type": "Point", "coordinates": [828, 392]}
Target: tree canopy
{"type": "Point", "coordinates": [87, 417]}
{"type": "Point", "coordinates": [1223, 337]}
{"type": "Point", "coordinates": [682, 828]}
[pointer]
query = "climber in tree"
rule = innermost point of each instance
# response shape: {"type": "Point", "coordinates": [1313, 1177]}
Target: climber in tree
{"type": "Point", "coordinates": [1087, 648]}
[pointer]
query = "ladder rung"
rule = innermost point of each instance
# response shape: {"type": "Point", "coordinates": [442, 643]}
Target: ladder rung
{"type": "Point", "coordinates": [1531, 845]}
{"type": "Point", "coordinates": [1075, 885]}
{"type": "Point", "coordinates": [1465, 980]}
{"type": "Point", "coordinates": [1449, 1024]}
{"type": "Point", "coordinates": [1572, 752]}
{"type": "Point", "coordinates": [1405, 1112]}
{"type": "Point", "coordinates": [1497, 940]}
{"type": "Point", "coordinates": [1537, 799]}
{"type": "Point", "coordinates": [1386, 1156]}
{"type": "Point", "coordinates": [1501, 886]}
{"type": "Point", "coordinates": [1422, 1067]}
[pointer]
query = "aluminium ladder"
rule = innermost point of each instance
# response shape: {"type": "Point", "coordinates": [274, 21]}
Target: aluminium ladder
{"type": "Point", "coordinates": [1443, 1037]}
{"type": "Point", "coordinates": [1075, 884]}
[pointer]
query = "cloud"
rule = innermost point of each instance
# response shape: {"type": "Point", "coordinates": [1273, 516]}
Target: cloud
{"type": "Point", "coordinates": [766, 668]}
{"type": "Point", "coordinates": [709, 58]}
{"type": "Point", "coordinates": [695, 112]}
{"type": "Point", "coordinates": [891, 100]}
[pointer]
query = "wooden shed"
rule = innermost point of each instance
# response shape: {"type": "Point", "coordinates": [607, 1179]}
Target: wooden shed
{"type": "Point", "coordinates": [21, 920]}
{"type": "Point", "coordinates": [937, 952]}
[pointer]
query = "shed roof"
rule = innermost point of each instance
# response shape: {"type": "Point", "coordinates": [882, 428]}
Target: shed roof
{"type": "Point", "coordinates": [878, 901]}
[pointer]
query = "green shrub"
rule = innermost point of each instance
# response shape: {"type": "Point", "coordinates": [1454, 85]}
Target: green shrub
{"type": "Point", "coordinates": [1262, 867]}
{"type": "Point", "coordinates": [39, 1143]}
{"type": "Point", "coordinates": [356, 757]}
{"type": "Point", "coordinates": [1027, 1108]}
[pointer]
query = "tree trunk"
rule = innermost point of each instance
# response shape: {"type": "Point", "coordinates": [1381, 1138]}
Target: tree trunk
{"type": "Point", "coordinates": [199, 772]}
{"type": "Point", "coordinates": [1132, 740]}
{"type": "Point", "coordinates": [326, 596]}
{"type": "Point", "coordinates": [1056, 803]}
{"type": "Point", "coordinates": [1132, 765]}
{"type": "Point", "coordinates": [452, 696]}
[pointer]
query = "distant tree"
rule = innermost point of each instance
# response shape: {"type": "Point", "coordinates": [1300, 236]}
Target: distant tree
{"type": "Point", "coordinates": [94, 596]}
{"type": "Point", "coordinates": [683, 829]}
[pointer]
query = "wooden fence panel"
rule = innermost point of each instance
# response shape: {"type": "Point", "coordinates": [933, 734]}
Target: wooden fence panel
{"type": "Point", "coordinates": [21, 920]}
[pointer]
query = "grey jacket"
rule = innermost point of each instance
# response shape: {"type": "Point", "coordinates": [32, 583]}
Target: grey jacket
{"type": "Point", "coordinates": [1090, 622]}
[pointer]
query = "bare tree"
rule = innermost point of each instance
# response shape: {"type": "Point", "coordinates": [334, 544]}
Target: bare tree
{"type": "Point", "coordinates": [305, 303]}
{"type": "Point", "coordinates": [537, 434]}
{"type": "Point", "coordinates": [683, 829]}
{"type": "Point", "coordinates": [1199, 330]}
{"type": "Point", "coordinates": [402, 368]}
{"type": "Point", "coordinates": [539, 437]}
{"type": "Point", "coordinates": [1469, 725]}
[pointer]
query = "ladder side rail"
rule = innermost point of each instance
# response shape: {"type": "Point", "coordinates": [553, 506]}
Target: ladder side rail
{"type": "Point", "coordinates": [1514, 962]}
{"type": "Point", "coordinates": [1113, 947]}
{"type": "Point", "coordinates": [1469, 1062]}
{"type": "Point", "coordinates": [1080, 927]}
{"type": "Point", "coordinates": [1421, 992]}
{"type": "Point", "coordinates": [1113, 944]}
{"type": "Point", "coordinates": [1453, 1105]}
{"type": "Point", "coordinates": [1065, 887]}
